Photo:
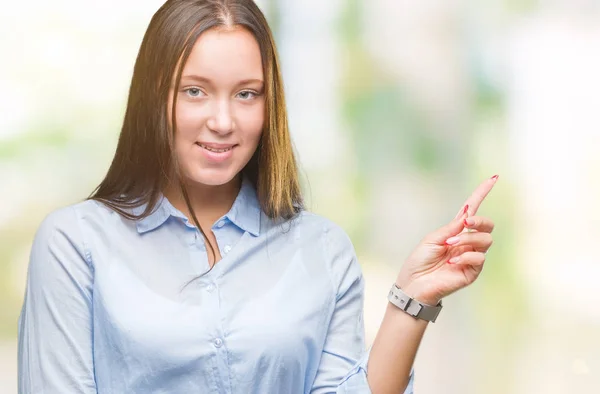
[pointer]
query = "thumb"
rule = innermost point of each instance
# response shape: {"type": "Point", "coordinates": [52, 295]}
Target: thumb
{"type": "Point", "coordinates": [451, 229]}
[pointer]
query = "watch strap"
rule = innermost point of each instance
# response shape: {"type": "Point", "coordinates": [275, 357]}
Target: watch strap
{"type": "Point", "coordinates": [413, 307]}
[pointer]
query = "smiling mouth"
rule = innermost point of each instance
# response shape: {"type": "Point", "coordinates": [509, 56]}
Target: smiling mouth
{"type": "Point", "coordinates": [222, 150]}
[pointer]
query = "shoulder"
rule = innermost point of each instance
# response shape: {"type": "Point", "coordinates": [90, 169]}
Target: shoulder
{"type": "Point", "coordinates": [63, 220]}
{"type": "Point", "coordinates": [59, 255]}
{"type": "Point", "coordinates": [337, 247]}
{"type": "Point", "coordinates": [334, 237]}
{"type": "Point", "coordinates": [67, 227]}
{"type": "Point", "coordinates": [68, 219]}
{"type": "Point", "coordinates": [60, 238]}
{"type": "Point", "coordinates": [322, 224]}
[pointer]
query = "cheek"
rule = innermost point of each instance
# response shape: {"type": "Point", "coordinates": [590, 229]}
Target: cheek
{"type": "Point", "coordinates": [189, 116]}
{"type": "Point", "coordinates": [189, 121]}
{"type": "Point", "coordinates": [253, 121]}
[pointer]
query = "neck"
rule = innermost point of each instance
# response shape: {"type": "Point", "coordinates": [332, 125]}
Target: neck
{"type": "Point", "coordinates": [209, 202]}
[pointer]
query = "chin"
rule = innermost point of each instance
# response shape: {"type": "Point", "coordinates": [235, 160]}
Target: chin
{"type": "Point", "coordinates": [212, 177]}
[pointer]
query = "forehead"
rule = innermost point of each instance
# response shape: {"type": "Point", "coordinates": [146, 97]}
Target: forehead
{"type": "Point", "coordinates": [225, 55]}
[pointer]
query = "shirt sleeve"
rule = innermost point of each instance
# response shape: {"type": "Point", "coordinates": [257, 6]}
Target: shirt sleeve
{"type": "Point", "coordinates": [343, 365]}
{"type": "Point", "coordinates": [55, 324]}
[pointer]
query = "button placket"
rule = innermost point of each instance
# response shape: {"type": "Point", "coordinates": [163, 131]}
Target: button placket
{"type": "Point", "coordinates": [193, 239]}
{"type": "Point", "coordinates": [198, 240]}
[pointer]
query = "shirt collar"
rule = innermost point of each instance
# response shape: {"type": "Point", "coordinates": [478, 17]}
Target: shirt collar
{"type": "Point", "coordinates": [163, 211]}
{"type": "Point", "coordinates": [244, 213]}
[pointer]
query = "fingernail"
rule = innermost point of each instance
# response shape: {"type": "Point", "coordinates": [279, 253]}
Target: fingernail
{"type": "Point", "coordinates": [452, 240]}
{"type": "Point", "coordinates": [495, 177]}
{"type": "Point", "coordinates": [461, 211]}
{"type": "Point", "coordinates": [468, 222]}
{"type": "Point", "coordinates": [454, 260]}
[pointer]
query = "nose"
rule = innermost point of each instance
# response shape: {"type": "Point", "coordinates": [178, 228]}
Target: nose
{"type": "Point", "coordinates": [221, 119]}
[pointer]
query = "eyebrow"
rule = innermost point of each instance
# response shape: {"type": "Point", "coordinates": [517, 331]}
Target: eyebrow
{"type": "Point", "coordinates": [207, 81]}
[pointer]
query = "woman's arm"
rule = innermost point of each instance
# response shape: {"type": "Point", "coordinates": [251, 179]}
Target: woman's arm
{"type": "Point", "coordinates": [55, 325]}
{"type": "Point", "coordinates": [445, 261]}
{"type": "Point", "coordinates": [394, 351]}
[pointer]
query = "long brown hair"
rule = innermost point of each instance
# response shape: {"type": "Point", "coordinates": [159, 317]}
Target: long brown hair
{"type": "Point", "coordinates": [144, 162]}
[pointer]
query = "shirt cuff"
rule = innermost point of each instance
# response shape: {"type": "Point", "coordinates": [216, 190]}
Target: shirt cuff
{"type": "Point", "coordinates": [355, 382]}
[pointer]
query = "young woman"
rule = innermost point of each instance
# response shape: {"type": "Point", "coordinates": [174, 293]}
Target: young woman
{"type": "Point", "coordinates": [194, 268]}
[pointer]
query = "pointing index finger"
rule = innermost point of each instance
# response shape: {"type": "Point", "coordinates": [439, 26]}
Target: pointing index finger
{"type": "Point", "coordinates": [475, 200]}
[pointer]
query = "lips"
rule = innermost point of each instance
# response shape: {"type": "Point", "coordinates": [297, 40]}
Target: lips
{"type": "Point", "coordinates": [217, 148]}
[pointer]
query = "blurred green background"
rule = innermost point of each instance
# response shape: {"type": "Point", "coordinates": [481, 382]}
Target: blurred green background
{"type": "Point", "coordinates": [398, 109]}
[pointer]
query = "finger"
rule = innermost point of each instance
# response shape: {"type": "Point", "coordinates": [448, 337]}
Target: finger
{"type": "Point", "coordinates": [461, 211]}
{"type": "Point", "coordinates": [475, 259]}
{"type": "Point", "coordinates": [439, 236]}
{"type": "Point", "coordinates": [479, 223]}
{"type": "Point", "coordinates": [475, 200]}
{"type": "Point", "coordinates": [480, 242]}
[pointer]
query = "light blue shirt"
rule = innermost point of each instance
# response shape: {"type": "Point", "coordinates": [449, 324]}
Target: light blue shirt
{"type": "Point", "coordinates": [107, 309]}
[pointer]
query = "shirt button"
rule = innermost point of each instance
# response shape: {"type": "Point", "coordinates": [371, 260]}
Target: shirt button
{"type": "Point", "coordinates": [221, 223]}
{"type": "Point", "coordinates": [218, 342]}
{"type": "Point", "coordinates": [227, 249]}
{"type": "Point", "coordinates": [210, 288]}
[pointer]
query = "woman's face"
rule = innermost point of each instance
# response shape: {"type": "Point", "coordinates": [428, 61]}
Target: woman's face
{"type": "Point", "coordinates": [220, 106]}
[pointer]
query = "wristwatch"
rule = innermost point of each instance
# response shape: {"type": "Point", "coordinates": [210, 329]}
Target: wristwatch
{"type": "Point", "coordinates": [412, 306]}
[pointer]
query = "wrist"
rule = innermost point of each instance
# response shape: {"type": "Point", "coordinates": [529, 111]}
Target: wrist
{"type": "Point", "coordinates": [412, 306]}
{"type": "Point", "coordinates": [418, 291]}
